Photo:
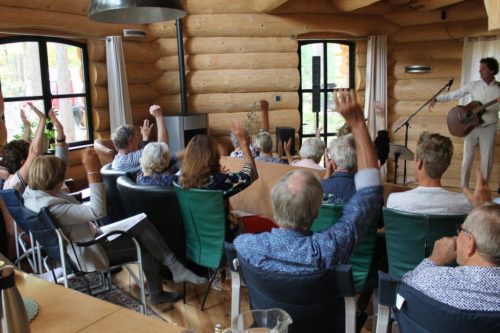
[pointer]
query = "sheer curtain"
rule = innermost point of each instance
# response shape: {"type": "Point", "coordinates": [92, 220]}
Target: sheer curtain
{"type": "Point", "coordinates": [376, 83]}
{"type": "Point", "coordinates": [376, 87]}
{"type": "Point", "coordinates": [474, 50]}
{"type": "Point", "coordinates": [119, 101]}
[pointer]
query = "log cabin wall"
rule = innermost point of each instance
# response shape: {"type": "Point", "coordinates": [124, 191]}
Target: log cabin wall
{"type": "Point", "coordinates": [238, 52]}
{"type": "Point", "coordinates": [424, 39]}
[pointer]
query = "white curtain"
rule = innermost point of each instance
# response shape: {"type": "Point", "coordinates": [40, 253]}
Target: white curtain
{"type": "Point", "coordinates": [376, 88]}
{"type": "Point", "coordinates": [474, 50]}
{"type": "Point", "coordinates": [376, 83]}
{"type": "Point", "coordinates": [119, 101]}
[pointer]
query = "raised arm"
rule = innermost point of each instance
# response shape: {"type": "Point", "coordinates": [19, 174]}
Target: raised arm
{"type": "Point", "coordinates": [157, 112]}
{"type": "Point", "coordinates": [26, 125]}
{"type": "Point", "coordinates": [36, 145]}
{"type": "Point", "coordinates": [61, 145]}
{"type": "Point", "coordinates": [241, 134]}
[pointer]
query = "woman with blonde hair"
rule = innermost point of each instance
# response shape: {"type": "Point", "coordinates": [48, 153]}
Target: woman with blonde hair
{"type": "Point", "coordinates": [45, 178]}
{"type": "Point", "coordinates": [155, 161]}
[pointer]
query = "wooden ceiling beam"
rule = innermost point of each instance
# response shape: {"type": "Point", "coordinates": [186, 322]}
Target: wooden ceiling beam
{"type": "Point", "coordinates": [350, 5]}
{"type": "Point", "coordinates": [265, 6]}
{"type": "Point", "coordinates": [426, 5]}
{"type": "Point", "coordinates": [493, 8]}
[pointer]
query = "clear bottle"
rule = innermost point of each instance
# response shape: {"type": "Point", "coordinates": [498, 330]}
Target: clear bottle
{"type": "Point", "coordinates": [219, 328]}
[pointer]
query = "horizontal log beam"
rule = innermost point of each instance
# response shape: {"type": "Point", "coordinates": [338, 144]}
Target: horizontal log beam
{"type": "Point", "coordinates": [136, 73]}
{"type": "Point", "coordinates": [261, 25]}
{"type": "Point", "coordinates": [462, 12]}
{"type": "Point", "coordinates": [439, 31]}
{"type": "Point", "coordinates": [208, 45]}
{"type": "Point", "coordinates": [492, 9]}
{"type": "Point", "coordinates": [229, 103]}
{"type": "Point", "coordinates": [351, 5]}
{"type": "Point", "coordinates": [426, 5]}
{"type": "Point", "coordinates": [132, 51]}
{"type": "Point", "coordinates": [422, 89]}
{"type": "Point", "coordinates": [79, 25]}
{"type": "Point", "coordinates": [101, 119]}
{"type": "Point", "coordinates": [264, 6]}
{"type": "Point", "coordinates": [443, 49]}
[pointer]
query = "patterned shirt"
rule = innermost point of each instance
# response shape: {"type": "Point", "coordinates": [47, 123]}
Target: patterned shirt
{"type": "Point", "coordinates": [293, 251]}
{"type": "Point", "coordinates": [157, 179]}
{"type": "Point", "coordinates": [464, 287]}
{"type": "Point", "coordinates": [128, 163]}
{"type": "Point", "coordinates": [233, 182]}
{"type": "Point", "coordinates": [239, 153]}
{"type": "Point", "coordinates": [479, 91]}
{"type": "Point", "coordinates": [270, 159]}
{"type": "Point", "coordinates": [339, 188]}
{"type": "Point", "coordinates": [430, 200]}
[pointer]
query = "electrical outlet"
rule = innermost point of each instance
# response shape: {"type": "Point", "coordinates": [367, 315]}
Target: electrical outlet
{"type": "Point", "coordinates": [277, 98]}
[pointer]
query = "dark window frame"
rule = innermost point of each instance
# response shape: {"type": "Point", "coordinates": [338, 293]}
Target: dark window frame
{"type": "Point", "coordinates": [47, 96]}
{"type": "Point", "coordinates": [325, 90]}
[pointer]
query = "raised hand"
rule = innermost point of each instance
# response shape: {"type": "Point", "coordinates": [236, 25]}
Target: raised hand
{"type": "Point", "coordinates": [146, 129]}
{"type": "Point", "coordinates": [23, 118]}
{"type": "Point", "coordinates": [156, 110]}
{"type": "Point", "coordinates": [379, 108]}
{"type": "Point", "coordinates": [264, 105]}
{"type": "Point", "coordinates": [445, 251]}
{"type": "Point", "coordinates": [348, 107]}
{"type": "Point", "coordinates": [90, 160]}
{"type": "Point", "coordinates": [39, 113]}
{"type": "Point", "coordinates": [319, 130]}
{"type": "Point", "coordinates": [240, 132]}
{"type": "Point", "coordinates": [432, 103]}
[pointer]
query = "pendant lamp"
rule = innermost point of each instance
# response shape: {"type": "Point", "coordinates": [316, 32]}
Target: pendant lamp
{"type": "Point", "coordinates": [135, 11]}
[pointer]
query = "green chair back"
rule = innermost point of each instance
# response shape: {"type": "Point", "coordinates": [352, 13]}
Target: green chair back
{"type": "Point", "coordinates": [410, 237]}
{"type": "Point", "coordinates": [362, 256]}
{"type": "Point", "coordinates": [328, 215]}
{"type": "Point", "coordinates": [204, 218]}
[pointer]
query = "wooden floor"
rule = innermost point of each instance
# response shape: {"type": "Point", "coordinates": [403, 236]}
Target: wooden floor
{"type": "Point", "coordinates": [217, 308]}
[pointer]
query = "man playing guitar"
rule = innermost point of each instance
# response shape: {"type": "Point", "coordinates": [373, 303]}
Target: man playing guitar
{"type": "Point", "coordinates": [483, 91]}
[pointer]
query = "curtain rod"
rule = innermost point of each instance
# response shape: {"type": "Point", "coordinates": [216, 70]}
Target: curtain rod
{"type": "Point", "coordinates": [50, 35]}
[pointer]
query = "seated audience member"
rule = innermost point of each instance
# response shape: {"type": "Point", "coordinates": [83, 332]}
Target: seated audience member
{"type": "Point", "coordinates": [18, 155]}
{"type": "Point", "coordinates": [201, 168]}
{"type": "Point", "coordinates": [310, 153]}
{"type": "Point", "coordinates": [338, 183]}
{"type": "Point", "coordinates": [126, 142]}
{"type": "Point", "coordinates": [474, 284]}
{"type": "Point", "coordinates": [263, 140]}
{"type": "Point", "coordinates": [296, 199]}
{"type": "Point", "coordinates": [154, 163]}
{"type": "Point", "coordinates": [432, 158]}
{"type": "Point", "coordinates": [45, 179]}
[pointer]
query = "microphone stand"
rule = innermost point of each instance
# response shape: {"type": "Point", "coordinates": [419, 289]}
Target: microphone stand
{"type": "Point", "coordinates": [406, 123]}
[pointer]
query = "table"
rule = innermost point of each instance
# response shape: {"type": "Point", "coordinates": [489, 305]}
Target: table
{"type": "Point", "coordinates": [66, 310]}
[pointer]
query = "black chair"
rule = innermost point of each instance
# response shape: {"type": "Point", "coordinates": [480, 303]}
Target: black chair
{"type": "Point", "coordinates": [418, 313]}
{"type": "Point", "coordinates": [162, 208]}
{"type": "Point", "coordinates": [315, 301]}
{"type": "Point", "coordinates": [116, 210]}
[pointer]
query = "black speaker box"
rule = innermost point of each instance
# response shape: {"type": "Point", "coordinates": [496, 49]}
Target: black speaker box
{"type": "Point", "coordinates": [283, 134]}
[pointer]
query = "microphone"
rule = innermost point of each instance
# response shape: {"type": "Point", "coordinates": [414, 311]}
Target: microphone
{"type": "Point", "coordinates": [450, 83]}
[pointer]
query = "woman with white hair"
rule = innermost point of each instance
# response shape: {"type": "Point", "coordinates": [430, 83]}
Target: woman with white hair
{"type": "Point", "coordinates": [311, 152]}
{"type": "Point", "coordinates": [338, 183]}
{"type": "Point", "coordinates": [154, 161]}
{"type": "Point", "coordinates": [264, 144]}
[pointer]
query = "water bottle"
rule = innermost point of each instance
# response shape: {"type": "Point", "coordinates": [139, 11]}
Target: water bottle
{"type": "Point", "coordinates": [13, 312]}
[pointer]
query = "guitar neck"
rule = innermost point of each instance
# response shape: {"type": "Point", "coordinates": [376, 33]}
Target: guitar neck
{"type": "Point", "coordinates": [484, 106]}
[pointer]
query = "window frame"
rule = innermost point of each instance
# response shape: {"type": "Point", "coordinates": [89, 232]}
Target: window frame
{"type": "Point", "coordinates": [47, 95]}
{"type": "Point", "coordinates": [325, 90]}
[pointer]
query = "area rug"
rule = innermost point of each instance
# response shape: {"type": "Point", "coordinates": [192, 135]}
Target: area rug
{"type": "Point", "coordinates": [115, 295]}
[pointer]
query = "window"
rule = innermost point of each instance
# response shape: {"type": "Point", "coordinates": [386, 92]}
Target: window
{"type": "Point", "coordinates": [335, 70]}
{"type": "Point", "coordinates": [49, 72]}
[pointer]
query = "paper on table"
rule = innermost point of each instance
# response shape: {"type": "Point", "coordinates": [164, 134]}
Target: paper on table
{"type": "Point", "coordinates": [123, 225]}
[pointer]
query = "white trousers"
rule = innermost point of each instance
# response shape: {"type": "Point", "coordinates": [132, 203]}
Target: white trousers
{"type": "Point", "coordinates": [485, 137]}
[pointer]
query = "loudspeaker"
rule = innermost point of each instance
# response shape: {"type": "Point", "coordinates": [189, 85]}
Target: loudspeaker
{"type": "Point", "coordinates": [283, 134]}
{"type": "Point", "coordinates": [316, 84]}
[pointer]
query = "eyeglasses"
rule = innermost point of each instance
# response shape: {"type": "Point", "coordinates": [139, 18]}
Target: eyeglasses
{"type": "Point", "coordinates": [460, 229]}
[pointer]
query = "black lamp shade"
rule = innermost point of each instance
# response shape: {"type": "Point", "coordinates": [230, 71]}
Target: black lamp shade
{"type": "Point", "coordinates": [135, 11]}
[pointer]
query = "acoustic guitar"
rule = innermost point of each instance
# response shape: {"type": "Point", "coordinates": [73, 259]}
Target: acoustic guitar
{"type": "Point", "coordinates": [462, 119]}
